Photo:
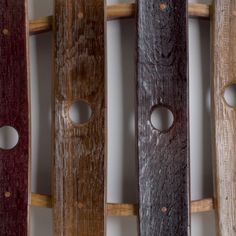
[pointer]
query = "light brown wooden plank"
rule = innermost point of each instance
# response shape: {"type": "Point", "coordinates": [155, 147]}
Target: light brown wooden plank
{"type": "Point", "coordinates": [224, 116]}
{"type": "Point", "coordinates": [199, 10]}
{"type": "Point", "coordinates": [122, 209]}
{"type": "Point", "coordinates": [118, 11]}
{"type": "Point", "coordinates": [203, 205]}
{"type": "Point", "coordinates": [41, 200]}
{"type": "Point", "coordinates": [79, 148]}
{"type": "Point", "coordinates": [40, 25]}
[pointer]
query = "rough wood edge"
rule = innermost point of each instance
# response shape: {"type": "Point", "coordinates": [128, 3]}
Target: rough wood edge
{"type": "Point", "coordinates": [118, 11]}
{"type": "Point", "coordinates": [113, 209]}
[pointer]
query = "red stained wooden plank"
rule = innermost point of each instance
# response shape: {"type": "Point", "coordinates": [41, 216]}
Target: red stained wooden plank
{"type": "Point", "coordinates": [14, 112]}
{"type": "Point", "coordinates": [163, 83]}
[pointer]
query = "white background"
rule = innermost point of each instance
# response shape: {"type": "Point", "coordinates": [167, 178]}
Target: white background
{"type": "Point", "coordinates": [121, 143]}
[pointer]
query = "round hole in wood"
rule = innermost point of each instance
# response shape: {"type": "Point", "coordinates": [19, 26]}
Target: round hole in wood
{"type": "Point", "coordinates": [230, 95]}
{"type": "Point", "coordinates": [80, 112]}
{"type": "Point", "coordinates": [9, 137]}
{"type": "Point", "coordinates": [162, 118]}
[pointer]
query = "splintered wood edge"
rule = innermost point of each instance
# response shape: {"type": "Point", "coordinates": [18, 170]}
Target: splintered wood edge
{"type": "Point", "coordinates": [118, 11]}
{"type": "Point", "coordinates": [113, 209]}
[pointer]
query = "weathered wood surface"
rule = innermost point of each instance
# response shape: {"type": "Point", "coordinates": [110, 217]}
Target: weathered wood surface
{"type": "Point", "coordinates": [224, 125]}
{"type": "Point", "coordinates": [14, 112]}
{"type": "Point", "coordinates": [163, 81]}
{"type": "Point", "coordinates": [79, 165]}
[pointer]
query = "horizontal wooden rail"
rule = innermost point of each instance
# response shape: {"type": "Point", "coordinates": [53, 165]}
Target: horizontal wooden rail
{"type": "Point", "coordinates": [203, 205]}
{"type": "Point", "coordinates": [119, 11]}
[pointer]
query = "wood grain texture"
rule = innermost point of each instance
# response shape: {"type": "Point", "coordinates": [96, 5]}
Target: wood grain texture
{"type": "Point", "coordinates": [79, 166]}
{"type": "Point", "coordinates": [115, 12]}
{"type": "Point", "coordinates": [162, 74]}
{"type": "Point", "coordinates": [40, 25]}
{"type": "Point", "coordinates": [224, 125]}
{"type": "Point", "coordinates": [14, 112]}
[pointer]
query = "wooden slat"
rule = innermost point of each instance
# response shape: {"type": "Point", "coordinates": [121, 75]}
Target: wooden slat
{"type": "Point", "coordinates": [40, 25]}
{"type": "Point", "coordinates": [14, 112]}
{"type": "Point", "coordinates": [79, 163]}
{"type": "Point", "coordinates": [204, 205]}
{"type": "Point", "coordinates": [162, 81]}
{"type": "Point", "coordinates": [224, 116]}
{"type": "Point", "coordinates": [118, 11]}
{"type": "Point", "coordinates": [40, 200]}
{"type": "Point", "coordinates": [199, 10]}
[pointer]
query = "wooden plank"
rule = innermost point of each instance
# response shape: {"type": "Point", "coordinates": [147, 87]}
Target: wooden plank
{"type": "Point", "coordinates": [41, 200]}
{"type": "Point", "coordinates": [14, 116]}
{"type": "Point", "coordinates": [115, 12]}
{"type": "Point", "coordinates": [122, 209]}
{"type": "Point", "coordinates": [79, 165]}
{"type": "Point", "coordinates": [204, 205]}
{"type": "Point", "coordinates": [41, 25]}
{"type": "Point", "coordinates": [120, 11]}
{"type": "Point", "coordinates": [163, 155]}
{"type": "Point", "coordinates": [224, 126]}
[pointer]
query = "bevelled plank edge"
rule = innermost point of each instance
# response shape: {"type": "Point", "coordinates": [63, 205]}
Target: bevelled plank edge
{"type": "Point", "coordinates": [113, 209]}
{"type": "Point", "coordinates": [118, 11]}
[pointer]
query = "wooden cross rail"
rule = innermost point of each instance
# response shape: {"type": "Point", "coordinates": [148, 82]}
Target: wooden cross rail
{"type": "Point", "coordinates": [114, 12]}
{"type": "Point", "coordinates": [203, 205]}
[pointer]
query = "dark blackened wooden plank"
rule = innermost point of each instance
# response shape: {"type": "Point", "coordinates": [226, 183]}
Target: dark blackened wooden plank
{"type": "Point", "coordinates": [163, 81]}
{"type": "Point", "coordinates": [14, 112]}
{"type": "Point", "coordinates": [224, 114]}
{"type": "Point", "coordinates": [79, 149]}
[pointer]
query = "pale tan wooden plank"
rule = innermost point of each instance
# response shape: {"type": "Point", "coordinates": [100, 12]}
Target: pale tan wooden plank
{"type": "Point", "coordinates": [224, 116]}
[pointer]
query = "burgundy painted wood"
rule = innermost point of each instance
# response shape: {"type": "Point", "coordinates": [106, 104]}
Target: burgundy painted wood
{"type": "Point", "coordinates": [163, 156]}
{"type": "Point", "coordinates": [14, 112]}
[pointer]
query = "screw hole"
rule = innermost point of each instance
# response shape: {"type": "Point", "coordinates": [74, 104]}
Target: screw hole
{"type": "Point", "coordinates": [80, 112]}
{"type": "Point", "coordinates": [9, 137]}
{"type": "Point", "coordinates": [162, 118]}
{"type": "Point", "coordinates": [230, 95]}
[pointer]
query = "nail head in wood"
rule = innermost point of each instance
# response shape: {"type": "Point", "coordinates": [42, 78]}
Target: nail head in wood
{"type": "Point", "coordinates": [7, 194]}
{"type": "Point", "coordinates": [5, 31]}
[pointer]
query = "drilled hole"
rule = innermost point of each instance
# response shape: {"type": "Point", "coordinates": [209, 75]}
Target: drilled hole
{"type": "Point", "coordinates": [162, 118]}
{"type": "Point", "coordinates": [9, 137]}
{"type": "Point", "coordinates": [230, 95]}
{"type": "Point", "coordinates": [80, 112]}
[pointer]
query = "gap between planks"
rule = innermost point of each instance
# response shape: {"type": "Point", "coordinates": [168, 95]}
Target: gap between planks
{"type": "Point", "coordinates": [113, 209]}
{"type": "Point", "coordinates": [118, 11]}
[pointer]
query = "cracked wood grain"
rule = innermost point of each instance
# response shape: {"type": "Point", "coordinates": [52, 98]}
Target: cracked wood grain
{"type": "Point", "coordinates": [79, 165]}
{"type": "Point", "coordinates": [14, 112]}
{"type": "Point", "coordinates": [162, 73]}
{"type": "Point", "coordinates": [224, 126]}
